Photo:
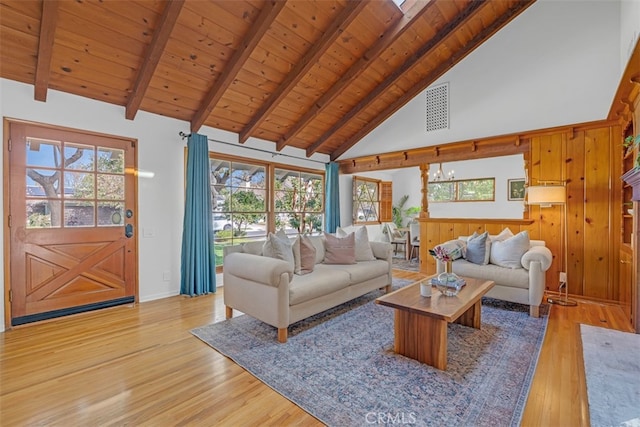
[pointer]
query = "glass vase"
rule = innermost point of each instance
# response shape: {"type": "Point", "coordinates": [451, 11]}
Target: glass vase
{"type": "Point", "coordinates": [448, 284]}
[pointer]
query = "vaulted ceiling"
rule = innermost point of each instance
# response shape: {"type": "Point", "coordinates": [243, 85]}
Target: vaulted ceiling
{"type": "Point", "coordinates": [316, 75]}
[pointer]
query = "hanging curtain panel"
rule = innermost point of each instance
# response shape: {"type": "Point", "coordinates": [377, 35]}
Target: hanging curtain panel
{"type": "Point", "coordinates": [332, 194]}
{"type": "Point", "coordinates": [198, 269]}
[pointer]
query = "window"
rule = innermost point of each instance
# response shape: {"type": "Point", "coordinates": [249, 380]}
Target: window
{"type": "Point", "coordinates": [468, 190]}
{"type": "Point", "coordinates": [371, 200]}
{"type": "Point", "coordinates": [299, 198]}
{"type": "Point", "coordinates": [245, 208]}
{"type": "Point", "coordinates": [73, 185]}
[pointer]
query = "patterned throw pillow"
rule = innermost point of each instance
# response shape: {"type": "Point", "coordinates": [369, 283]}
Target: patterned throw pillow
{"type": "Point", "coordinates": [363, 248]}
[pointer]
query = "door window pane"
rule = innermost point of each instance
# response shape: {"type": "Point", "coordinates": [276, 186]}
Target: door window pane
{"type": "Point", "coordinates": [110, 214]}
{"type": "Point", "coordinates": [43, 213]}
{"type": "Point", "coordinates": [79, 185]}
{"type": "Point", "coordinates": [79, 214]}
{"type": "Point", "coordinates": [43, 183]}
{"type": "Point", "coordinates": [43, 153]}
{"type": "Point", "coordinates": [110, 187]}
{"type": "Point", "coordinates": [110, 160]}
{"type": "Point", "coordinates": [79, 157]}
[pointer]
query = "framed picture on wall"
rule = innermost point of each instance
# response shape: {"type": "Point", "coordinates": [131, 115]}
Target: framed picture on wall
{"type": "Point", "coordinates": [516, 189]}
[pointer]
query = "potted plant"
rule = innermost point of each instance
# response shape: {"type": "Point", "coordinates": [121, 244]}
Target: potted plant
{"type": "Point", "coordinates": [399, 212]}
{"type": "Point", "coordinates": [631, 142]}
{"type": "Point", "coordinates": [632, 176]}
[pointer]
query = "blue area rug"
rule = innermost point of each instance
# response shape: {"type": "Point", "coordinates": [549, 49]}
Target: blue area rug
{"type": "Point", "coordinates": [612, 369]}
{"type": "Point", "coordinates": [340, 366]}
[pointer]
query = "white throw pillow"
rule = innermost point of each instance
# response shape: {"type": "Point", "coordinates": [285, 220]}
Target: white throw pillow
{"type": "Point", "coordinates": [504, 235]}
{"type": "Point", "coordinates": [363, 248]}
{"type": "Point", "coordinates": [509, 252]}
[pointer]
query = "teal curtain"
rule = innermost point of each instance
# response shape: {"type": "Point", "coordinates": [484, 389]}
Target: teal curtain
{"type": "Point", "coordinates": [198, 268]}
{"type": "Point", "coordinates": [332, 198]}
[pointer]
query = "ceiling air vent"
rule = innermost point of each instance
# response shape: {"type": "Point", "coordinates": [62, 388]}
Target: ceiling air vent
{"type": "Point", "coordinates": [438, 107]}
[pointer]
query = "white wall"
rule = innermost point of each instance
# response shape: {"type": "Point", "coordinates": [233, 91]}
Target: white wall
{"type": "Point", "coordinates": [500, 168]}
{"type": "Point", "coordinates": [555, 64]}
{"type": "Point", "coordinates": [160, 150]}
{"type": "Point", "coordinates": [629, 29]}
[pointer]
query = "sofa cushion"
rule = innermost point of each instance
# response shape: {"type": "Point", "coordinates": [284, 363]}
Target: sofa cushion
{"type": "Point", "coordinates": [510, 277]}
{"type": "Point", "coordinates": [304, 255]}
{"type": "Point", "coordinates": [279, 246]}
{"type": "Point", "coordinates": [363, 248]}
{"type": "Point", "coordinates": [323, 281]}
{"type": "Point", "coordinates": [363, 271]}
{"type": "Point", "coordinates": [508, 253]}
{"type": "Point", "coordinates": [340, 250]}
{"type": "Point", "coordinates": [478, 248]}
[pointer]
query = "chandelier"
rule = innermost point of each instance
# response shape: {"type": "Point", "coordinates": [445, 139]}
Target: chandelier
{"type": "Point", "coordinates": [439, 175]}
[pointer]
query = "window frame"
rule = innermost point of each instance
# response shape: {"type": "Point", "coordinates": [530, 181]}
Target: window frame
{"type": "Point", "coordinates": [456, 190]}
{"type": "Point", "coordinates": [378, 202]}
{"type": "Point", "coordinates": [269, 188]}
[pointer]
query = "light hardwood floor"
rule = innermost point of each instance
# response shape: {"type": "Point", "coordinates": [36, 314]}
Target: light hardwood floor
{"type": "Point", "coordinates": [139, 365]}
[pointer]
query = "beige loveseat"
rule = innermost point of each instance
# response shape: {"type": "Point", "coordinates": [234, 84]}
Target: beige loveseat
{"type": "Point", "coordinates": [267, 288]}
{"type": "Point", "coordinates": [523, 282]}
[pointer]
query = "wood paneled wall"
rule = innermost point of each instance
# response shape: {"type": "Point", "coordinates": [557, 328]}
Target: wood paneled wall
{"type": "Point", "coordinates": [588, 160]}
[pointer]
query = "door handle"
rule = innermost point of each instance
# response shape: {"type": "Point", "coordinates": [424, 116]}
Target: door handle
{"type": "Point", "coordinates": [128, 231]}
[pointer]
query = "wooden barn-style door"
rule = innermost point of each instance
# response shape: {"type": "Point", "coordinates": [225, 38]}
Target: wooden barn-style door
{"type": "Point", "coordinates": [71, 221]}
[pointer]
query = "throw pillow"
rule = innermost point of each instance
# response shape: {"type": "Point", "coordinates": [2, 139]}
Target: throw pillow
{"type": "Point", "coordinates": [508, 253]}
{"type": "Point", "coordinates": [504, 235]}
{"type": "Point", "coordinates": [340, 250]}
{"type": "Point", "coordinates": [304, 255]}
{"type": "Point", "coordinates": [478, 248]}
{"type": "Point", "coordinates": [363, 248]}
{"type": "Point", "coordinates": [280, 247]}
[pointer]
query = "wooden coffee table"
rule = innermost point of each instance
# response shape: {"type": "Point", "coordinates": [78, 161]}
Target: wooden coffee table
{"type": "Point", "coordinates": [420, 330]}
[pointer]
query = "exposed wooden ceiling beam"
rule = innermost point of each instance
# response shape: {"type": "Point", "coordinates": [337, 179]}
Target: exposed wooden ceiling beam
{"type": "Point", "coordinates": [48, 24]}
{"type": "Point", "coordinates": [482, 36]}
{"type": "Point", "coordinates": [397, 74]}
{"type": "Point", "coordinates": [389, 37]}
{"type": "Point", "coordinates": [267, 15]}
{"type": "Point", "coordinates": [152, 58]}
{"type": "Point", "coordinates": [335, 30]}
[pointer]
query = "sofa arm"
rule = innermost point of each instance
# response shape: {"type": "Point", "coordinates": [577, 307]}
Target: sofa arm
{"type": "Point", "coordinates": [257, 268]}
{"type": "Point", "coordinates": [382, 250]}
{"type": "Point", "coordinates": [540, 254]}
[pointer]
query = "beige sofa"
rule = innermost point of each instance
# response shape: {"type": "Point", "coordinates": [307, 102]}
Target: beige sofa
{"type": "Point", "coordinates": [523, 285]}
{"type": "Point", "coordinates": [267, 288]}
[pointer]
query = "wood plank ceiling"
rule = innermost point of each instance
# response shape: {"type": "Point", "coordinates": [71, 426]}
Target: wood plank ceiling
{"type": "Point", "coordinates": [316, 75]}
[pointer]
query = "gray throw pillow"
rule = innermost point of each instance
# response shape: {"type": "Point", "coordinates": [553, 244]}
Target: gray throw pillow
{"type": "Point", "coordinates": [478, 247]}
{"type": "Point", "coordinates": [279, 246]}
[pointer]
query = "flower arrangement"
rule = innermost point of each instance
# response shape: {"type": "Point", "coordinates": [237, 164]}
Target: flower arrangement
{"type": "Point", "coordinates": [442, 254]}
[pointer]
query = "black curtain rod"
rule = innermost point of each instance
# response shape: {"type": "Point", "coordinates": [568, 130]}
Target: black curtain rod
{"type": "Point", "coordinates": [273, 153]}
